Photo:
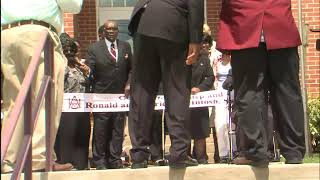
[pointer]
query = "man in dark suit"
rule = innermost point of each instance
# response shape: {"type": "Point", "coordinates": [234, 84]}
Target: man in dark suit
{"type": "Point", "coordinates": [110, 62]}
{"type": "Point", "coordinates": [263, 39]}
{"type": "Point", "coordinates": [166, 37]}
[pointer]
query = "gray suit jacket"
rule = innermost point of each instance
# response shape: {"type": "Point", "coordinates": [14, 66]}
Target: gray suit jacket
{"type": "Point", "coordinates": [108, 76]}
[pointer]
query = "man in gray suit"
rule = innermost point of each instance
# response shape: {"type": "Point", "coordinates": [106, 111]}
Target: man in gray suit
{"type": "Point", "coordinates": [166, 38]}
{"type": "Point", "coordinates": [110, 62]}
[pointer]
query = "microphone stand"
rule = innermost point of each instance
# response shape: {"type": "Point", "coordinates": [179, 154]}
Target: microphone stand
{"type": "Point", "coordinates": [230, 131]}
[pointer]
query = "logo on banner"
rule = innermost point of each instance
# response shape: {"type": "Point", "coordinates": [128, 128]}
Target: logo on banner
{"type": "Point", "coordinates": [74, 103]}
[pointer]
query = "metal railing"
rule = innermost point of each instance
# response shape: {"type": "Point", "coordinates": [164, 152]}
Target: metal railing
{"type": "Point", "coordinates": [31, 111]}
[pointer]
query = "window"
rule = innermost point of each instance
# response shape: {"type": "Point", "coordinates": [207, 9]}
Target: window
{"type": "Point", "coordinates": [124, 33]}
{"type": "Point", "coordinates": [117, 3]}
{"type": "Point", "coordinates": [123, 30]}
{"type": "Point", "coordinates": [118, 10]}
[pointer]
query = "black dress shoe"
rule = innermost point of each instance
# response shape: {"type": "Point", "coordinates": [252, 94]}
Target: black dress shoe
{"type": "Point", "coordinates": [161, 162]}
{"type": "Point", "coordinates": [216, 160]}
{"type": "Point", "coordinates": [184, 163]}
{"type": "Point", "coordinates": [274, 157]}
{"type": "Point", "coordinates": [244, 161]}
{"type": "Point", "coordinates": [134, 165]}
{"type": "Point", "coordinates": [294, 161]}
{"type": "Point", "coordinates": [202, 161]}
{"type": "Point", "coordinates": [115, 166]}
{"type": "Point", "coordinates": [101, 167]}
{"type": "Point", "coordinates": [158, 162]}
{"type": "Point", "coordinates": [224, 159]}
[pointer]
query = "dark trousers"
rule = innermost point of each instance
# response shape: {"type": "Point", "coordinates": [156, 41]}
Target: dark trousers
{"type": "Point", "coordinates": [271, 134]}
{"type": "Point", "coordinates": [108, 137]}
{"type": "Point", "coordinates": [255, 71]}
{"type": "Point", "coordinates": [156, 149]}
{"type": "Point", "coordinates": [154, 60]}
{"type": "Point", "coordinates": [72, 141]}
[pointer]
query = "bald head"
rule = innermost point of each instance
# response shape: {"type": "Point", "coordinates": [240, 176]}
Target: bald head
{"type": "Point", "coordinates": [110, 22]}
{"type": "Point", "coordinates": [111, 30]}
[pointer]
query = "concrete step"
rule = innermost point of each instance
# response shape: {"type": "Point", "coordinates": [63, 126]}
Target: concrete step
{"type": "Point", "coordinates": [202, 172]}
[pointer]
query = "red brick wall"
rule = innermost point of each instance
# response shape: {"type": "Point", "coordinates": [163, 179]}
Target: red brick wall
{"type": "Point", "coordinates": [311, 14]}
{"type": "Point", "coordinates": [86, 31]}
{"type": "Point", "coordinates": [213, 11]}
{"type": "Point", "coordinates": [69, 24]}
{"type": "Point", "coordinates": [82, 26]}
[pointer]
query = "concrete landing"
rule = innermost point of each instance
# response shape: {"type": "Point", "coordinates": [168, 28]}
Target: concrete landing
{"type": "Point", "coordinates": [202, 172]}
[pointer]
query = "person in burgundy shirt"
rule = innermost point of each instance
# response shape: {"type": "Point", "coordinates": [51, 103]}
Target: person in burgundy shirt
{"type": "Point", "coordinates": [263, 40]}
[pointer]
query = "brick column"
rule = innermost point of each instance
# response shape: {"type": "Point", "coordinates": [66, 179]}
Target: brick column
{"type": "Point", "coordinates": [85, 30]}
{"type": "Point", "coordinates": [68, 24]}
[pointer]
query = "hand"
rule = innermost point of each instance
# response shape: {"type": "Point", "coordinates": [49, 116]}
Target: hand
{"type": "Point", "coordinates": [84, 68]}
{"type": "Point", "coordinates": [127, 91]}
{"type": "Point", "coordinates": [193, 53]}
{"type": "Point", "coordinates": [195, 90]}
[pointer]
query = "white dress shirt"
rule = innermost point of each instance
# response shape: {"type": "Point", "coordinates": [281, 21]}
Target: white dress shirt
{"type": "Point", "coordinates": [262, 39]}
{"type": "Point", "coordinates": [108, 43]}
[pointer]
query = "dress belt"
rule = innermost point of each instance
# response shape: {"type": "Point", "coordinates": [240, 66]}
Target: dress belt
{"type": "Point", "coordinates": [24, 22]}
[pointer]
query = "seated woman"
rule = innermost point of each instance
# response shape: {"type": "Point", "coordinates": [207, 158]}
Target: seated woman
{"type": "Point", "coordinates": [202, 80]}
{"type": "Point", "coordinates": [72, 141]}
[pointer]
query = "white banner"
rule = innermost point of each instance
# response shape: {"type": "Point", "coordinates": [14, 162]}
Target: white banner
{"type": "Point", "coordinates": [91, 102]}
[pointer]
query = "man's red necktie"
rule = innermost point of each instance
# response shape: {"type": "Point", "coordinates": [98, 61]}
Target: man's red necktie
{"type": "Point", "coordinates": [113, 52]}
